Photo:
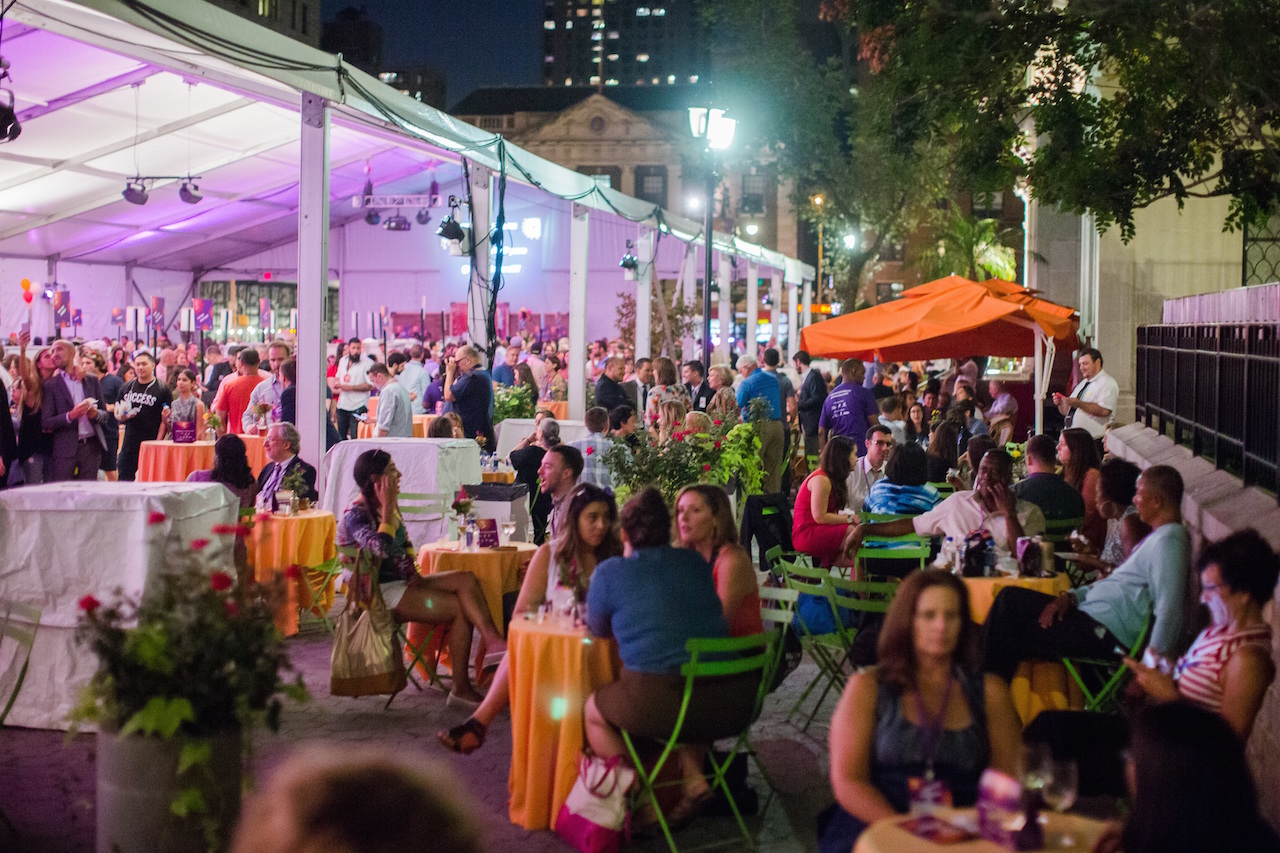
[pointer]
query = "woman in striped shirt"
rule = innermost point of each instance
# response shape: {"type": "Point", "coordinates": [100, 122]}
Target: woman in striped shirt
{"type": "Point", "coordinates": [1228, 668]}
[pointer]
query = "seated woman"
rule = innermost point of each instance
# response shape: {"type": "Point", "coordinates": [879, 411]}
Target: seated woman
{"type": "Point", "coordinates": [696, 422]}
{"type": "Point", "coordinates": [440, 428]}
{"type": "Point", "coordinates": [904, 489]}
{"type": "Point", "coordinates": [979, 446]}
{"type": "Point", "coordinates": [1078, 454]}
{"type": "Point", "coordinates": [817, 527]}
{"type": "Point", "coordinates": [944, 451]}
{"type": "Point", "coordinates": [1190, 788]}
{"type": "Point", "coordinates": [455, 420]}
{"type": "Point", "coordinates": [373, 524]}
{"type": "Point", "coordinates": [1228, 667]}
{"type": "Point", "coordinates": [1117, 483]}
{"type": "Point", "coordinates": [651, 602]}
{"type": "Point", "coordinates": [924, 713]}
{"type": "Point", "coordinates": [231, 469]}
{"type": "Point", "coordinates": [670, 420]}
{"type": "Point", "coordinates": [705, 523]}
{"type": "Point", "coordinates": [590, 535]}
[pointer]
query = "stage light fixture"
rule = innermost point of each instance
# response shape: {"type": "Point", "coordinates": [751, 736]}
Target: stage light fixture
{"type": "Point", "coordinates": [423, 216]}
{"type": "Point", "coordinates": [373, 217]}
{"type": "Point", "coordinates": [450, 230]}
{"type": "Point", "coordinates": [10, 127]}
{"type": "Point", "coordinates": [397, 223]}
{"type": "Point", "coordinates": [135, 192]}
{"type": "Point", "coordinates": [190, 193]}
{"type": "Point", "coordinates": [629, 262]}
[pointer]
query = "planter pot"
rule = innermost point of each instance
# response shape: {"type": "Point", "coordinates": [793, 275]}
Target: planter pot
{"type": "Point", "coordinates": [138, 780]}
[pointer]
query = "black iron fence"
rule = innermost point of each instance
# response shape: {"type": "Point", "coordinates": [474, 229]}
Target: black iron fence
{"type": "Point", "coordinates": [1216, 388]}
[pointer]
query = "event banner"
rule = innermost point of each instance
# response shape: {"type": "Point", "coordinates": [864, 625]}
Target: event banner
{"type": "Point", "coordinates": [77, 319]}
{"type": "Point", "coordinates": [264, 313]}
{"type": "Point", "coordinates": [204, 314]}
{"type": "Point", "coordinates": [62, 308]}
{"type": "Point", "coordinates": [117, 316]}
{"type": "Point", "coordinates": [157, 312]}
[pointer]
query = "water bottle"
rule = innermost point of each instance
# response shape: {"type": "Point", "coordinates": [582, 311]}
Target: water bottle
{"type": "Point", "coordinates": [947, 554]}
{"type": "Point", "coordinates": [473, 534]}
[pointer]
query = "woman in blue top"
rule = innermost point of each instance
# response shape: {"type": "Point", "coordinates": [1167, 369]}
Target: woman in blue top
{"type": "Point", "coordinates": [905, 489]}
{"type": "Point", "coordinates": [922, 718]}
{"type": "Point", "coordinates": [651, 602]}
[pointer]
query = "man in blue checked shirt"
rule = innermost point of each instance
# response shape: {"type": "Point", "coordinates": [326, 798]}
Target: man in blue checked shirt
{"type": "Point", "coordinates": [758, 383]}
{"type": "Point", "coordinates": [594, 447]}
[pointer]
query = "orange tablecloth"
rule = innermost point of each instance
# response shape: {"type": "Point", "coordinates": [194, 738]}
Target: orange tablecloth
{"type": "Point", "coordinates": [420, 424]}
{"type": "Point", "coordinates": [257, 455]}
{"type": "Point", "coordinates": [498, 571]}
{"type": "Point", "coordinates": [169, 462]}
{"type": "Point", "coordinates": [559, 408]}
{"type": "Point", "coordinates": [553, 669]}
{"type": "Point", "coordinates": [1037, 685]}
{"type": "Point", "coordinates": [884, 836]}
{"type": "Point", "coordinates": [498, 477]}
{"type": "Point", "coordinates": [305, 540]}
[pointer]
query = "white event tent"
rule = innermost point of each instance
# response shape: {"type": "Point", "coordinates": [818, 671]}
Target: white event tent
{"type": "Point", "coordinates": [282, 137]}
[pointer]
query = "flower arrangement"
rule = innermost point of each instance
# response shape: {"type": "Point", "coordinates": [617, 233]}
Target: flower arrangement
{"type": "Point", "coordinates": [261, 410]}
{"type": "Point", "coordinates": [572, 577]}
{"type": "Point", "coordinates": [212, 421]}
{"type": "Point", "coordinates": [196, 658]}
{"type": "Point", "coordinates": [294, 481]}
{"type": "Point", "coordinates": [726, 454]}
{"type": "Point", "coordinates": [512, 401]}
{"type": "Point", "coordinates": [462, 503]}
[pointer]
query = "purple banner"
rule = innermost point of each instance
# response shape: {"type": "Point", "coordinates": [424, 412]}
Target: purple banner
{"type": "Point", "coordinates": [204, 314]}
{"type": "Point", "coordinates": [264, 313]}
{"type": "Point", "coordinates": [62, 308]}
{"type": "Point", "coordinates": [77, 318]}
{"type": "Point", "coordinates": [117, 316]}
{"type": "Point", "coordinates": [157, 312]}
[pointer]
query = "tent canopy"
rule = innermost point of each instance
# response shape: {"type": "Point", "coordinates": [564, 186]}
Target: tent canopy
{"type": "Point", "coordinates": [948, 318]}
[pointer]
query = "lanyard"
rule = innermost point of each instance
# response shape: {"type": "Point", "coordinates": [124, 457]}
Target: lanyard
{"type": "Point", "coordinates": [932, 727]}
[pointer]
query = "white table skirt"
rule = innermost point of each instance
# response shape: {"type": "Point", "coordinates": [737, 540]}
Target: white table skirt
{"type": "Point", "coordinates": [440, 465]}
{"type": "Point", "coordinates": [512, 430]}
{"type": "Point", "coordinates": [63, 541]}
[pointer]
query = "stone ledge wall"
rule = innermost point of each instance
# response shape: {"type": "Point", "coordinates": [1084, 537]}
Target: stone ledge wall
{"type": "Point", "coordinates": [1217, 504]}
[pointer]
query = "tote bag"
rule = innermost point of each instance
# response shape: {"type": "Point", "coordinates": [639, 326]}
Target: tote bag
{"type": "Point", "coordinates": [365, 659]}
{"type": "Point", "coordinates": [594, 818]}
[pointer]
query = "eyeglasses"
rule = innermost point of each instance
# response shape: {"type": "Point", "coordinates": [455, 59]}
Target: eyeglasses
{"type": "Point", "coordinates": [888, 443]}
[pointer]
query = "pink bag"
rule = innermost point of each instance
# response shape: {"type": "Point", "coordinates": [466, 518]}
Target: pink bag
{"type": "Point", "coordinates": [184, 432]}
{"type": "Point", "coordinates": [594, 818]}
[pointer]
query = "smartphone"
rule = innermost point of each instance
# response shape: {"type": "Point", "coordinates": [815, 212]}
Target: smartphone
{"type": "Point", "coordinates": [26, 328]}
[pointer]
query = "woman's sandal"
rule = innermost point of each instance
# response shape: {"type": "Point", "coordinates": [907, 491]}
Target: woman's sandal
{"type": "Point", "coordinates": [466, 737]}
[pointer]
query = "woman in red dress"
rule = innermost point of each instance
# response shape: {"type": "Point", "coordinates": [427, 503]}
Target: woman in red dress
{"type": "Point", "coordinates": [817, 528]}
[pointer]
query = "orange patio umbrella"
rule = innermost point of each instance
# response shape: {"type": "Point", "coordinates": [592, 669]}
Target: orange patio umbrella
{"type": "Point", "coordinates": [1058, 321]}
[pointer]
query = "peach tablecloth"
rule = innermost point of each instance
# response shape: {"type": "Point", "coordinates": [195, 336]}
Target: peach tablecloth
{"type": "Point", "coordinates": [498, 570]}
{"type": "Point", "coordinates": [1037, 685]}
{"type": "Point", "coordinates": [498, 477]}
{"type": "Point", "coordinates": [553, 669]}
{"type": "Point", "coordinates": [254, 450]}
{"type": "Point", "coordinates": [559, 408]}
{"type": "Point", "coordinates": [170, 462]}
{"type": "Point", "coordinates": [884, 836]}
{"type": "Point", "coordinates": [305, 540]}
{"type": "Point", "coordinates": [420, 424]}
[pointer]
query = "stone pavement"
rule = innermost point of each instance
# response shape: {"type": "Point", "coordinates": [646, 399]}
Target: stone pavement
{"type": "Point", "coordinates": [47, 781]}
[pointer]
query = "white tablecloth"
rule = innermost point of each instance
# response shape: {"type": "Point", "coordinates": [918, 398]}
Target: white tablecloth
{"type": "Point", "coordinates": [62, 541]}
{"type": "Point", "coordinates": [512, 430]}
{"type": "Point", "coordinates": [425, 464]}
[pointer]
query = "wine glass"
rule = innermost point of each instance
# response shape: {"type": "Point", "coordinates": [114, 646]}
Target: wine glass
{"type": "Point", "coordinates": [1037, 767]}
{"type": "Point", "coordinates": [508, 530]}
{"type": "Point", "coordinates": [1059, 791]}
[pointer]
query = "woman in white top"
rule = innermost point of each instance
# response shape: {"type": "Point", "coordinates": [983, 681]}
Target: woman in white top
{"type": "Point", "coordinates": [558, 575]}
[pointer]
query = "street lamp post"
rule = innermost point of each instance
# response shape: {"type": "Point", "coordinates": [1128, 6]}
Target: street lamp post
{"type": "Point", "coordinates": [817, 202]}
{"type": "Point", "coordinates": [716, 129]}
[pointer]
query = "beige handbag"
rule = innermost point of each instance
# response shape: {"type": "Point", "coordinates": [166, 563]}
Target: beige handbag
{"type": "Point", "coordinates": [366, 659]}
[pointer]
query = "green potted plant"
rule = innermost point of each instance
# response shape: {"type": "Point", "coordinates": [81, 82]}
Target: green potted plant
{"type": "Point", "coordinates": [296, 484]}
{"type": "Point", "coordinates": [512, 401]}
{"type": "Point", "coordinates": [183, 677]}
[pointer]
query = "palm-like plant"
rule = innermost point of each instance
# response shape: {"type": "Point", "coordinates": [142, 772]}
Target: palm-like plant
{"type": "Point", "coordinates": [973, 248]}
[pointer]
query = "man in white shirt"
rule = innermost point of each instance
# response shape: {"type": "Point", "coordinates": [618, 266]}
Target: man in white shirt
{"type": "Point", "coordinates": [395, 412]}
{"type": "Point", "coordinates": [869, 468]}
{"type": "Point", "coordinates": [267, 393]}
{"type": "Point", "coordinates": [991, 505]}
{"type": "Point", "coordinates": [1093, 402]}
{"type": "Point", "coordinates": [352, 384]}
{"type": "Point", "coordinates": [413, 377]}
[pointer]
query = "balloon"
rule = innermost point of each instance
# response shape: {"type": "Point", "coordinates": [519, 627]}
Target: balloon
{"type": "Point", "coordinates": [28, 296]}
{"type": "Point", "coordinates": [26, 284]}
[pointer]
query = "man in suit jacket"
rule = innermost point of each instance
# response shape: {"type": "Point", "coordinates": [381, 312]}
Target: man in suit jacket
{"type": "Point", "coordinates": [216, 369]}
{"type": "Point", "coordinates": [69, 413]}
{"type": "Point", "coordinates": [637, 388]}
{"type": "Point", "coordinates": [809, 400]}
{"type": "Point", "coordinates": [281, 445]}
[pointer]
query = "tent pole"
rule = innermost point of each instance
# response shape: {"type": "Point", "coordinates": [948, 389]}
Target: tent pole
{"type": "Point", "coordinates": [644, 293]}
{"type": "Point", "coordinates": [579, 230]}
{"type": "Point", "coordinates": [1039, 383]}
{"type": "Point", "coordinates": [724, 276]}
{"type": "Point", "coordinates": [313, 274]}
{"type": "Point", "coordinates": [753, 305]}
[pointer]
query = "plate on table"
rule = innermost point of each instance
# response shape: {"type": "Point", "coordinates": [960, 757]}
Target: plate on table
{"type": "Point", "coordinates": [1067, 555]}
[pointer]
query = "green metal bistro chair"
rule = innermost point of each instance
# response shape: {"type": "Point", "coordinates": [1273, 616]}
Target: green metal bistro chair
{"type": "Point", "coordinates": [18, 625]}
{"type": "Point", "coordinates": [910, 547]}
{"type": "Point", "coordinates": [775, 556]}
{"type": "Point", "coordinates": [1111, 674]}
{"type": "Point", "coordinates": [710, 658]}
{"type": "Point", "coordinates": [944, 488]}
{"type": "Point", "coordinates": [1059, 530]}
{"type": "Point", "coordinates": [426, 507]}
{"type": "Point", "coordinates": [318, 579]}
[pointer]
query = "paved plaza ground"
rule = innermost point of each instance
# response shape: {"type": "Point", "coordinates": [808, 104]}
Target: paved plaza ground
{"type": "Point", "coordinates": [47, 782]}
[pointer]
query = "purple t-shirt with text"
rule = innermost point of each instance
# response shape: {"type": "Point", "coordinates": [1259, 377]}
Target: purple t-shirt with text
{"type": "Point", "coordinates": [846, 410]}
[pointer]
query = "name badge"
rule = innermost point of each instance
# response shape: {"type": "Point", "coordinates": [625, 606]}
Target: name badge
{"type": "Point", "coordinates": [928, 793]}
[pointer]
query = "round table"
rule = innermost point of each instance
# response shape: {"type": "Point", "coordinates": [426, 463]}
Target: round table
{"type": "Point", "coordinates": [507, 477]}
{"type": "Point", "coordinates": [885, 836]}
{"type": "Point", "coordinates": [306, 540]}
{"type": "Point", "coordinates": [420, 424]}
{"type": "Point", "coordinates": [559, 409]}
{"type": "Point", "coordinates": [499, 570]}
{"type": "Point", "coordinates": [254, 450]}
{"type": "Point", "coordinates": [171, 462]}
{"type": "Point", "coordinates": [1037, 685]}
{"type": "Point", "coordinates": [553, 668]}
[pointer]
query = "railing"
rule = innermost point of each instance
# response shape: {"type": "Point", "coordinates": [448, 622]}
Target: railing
{"type": "Point", "coordinates": [1216, 388]}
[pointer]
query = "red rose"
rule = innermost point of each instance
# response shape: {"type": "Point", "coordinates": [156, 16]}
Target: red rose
{"type": "Point", "coordinates": [706, 467]}
{"type": "Point", "coordinates": [262, 516]}
{"type": "Point", "coordinates": [231, 608]}
{"type": "Point", "coordinates": [590, 450]}
{"type": "Point", "coordinates": [717, 422]}
{"type": "Point", "coordinates": [678, 436]}
{"type": "Point", "coordinates": [199, 544]}
{"type": "Point", "coordinates": [89, 604]}
{"type": "Point", "coordinates": [155, 518]}
{"type": "Point", "coordinates": [220, 581]}
{"type": "Point", "coordinates": [293, 573]}
{"type": "Point", "coordinates": [717, 445]}
{"type": "Point", "coordinates": [223, 529]}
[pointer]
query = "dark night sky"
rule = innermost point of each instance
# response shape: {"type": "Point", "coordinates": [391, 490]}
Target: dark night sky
{"type": "Point", "coordinates": [476, 42]}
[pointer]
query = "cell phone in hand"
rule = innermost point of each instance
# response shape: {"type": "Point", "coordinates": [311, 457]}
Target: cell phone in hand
{"type": "Point", "coordinates": [26, 328]}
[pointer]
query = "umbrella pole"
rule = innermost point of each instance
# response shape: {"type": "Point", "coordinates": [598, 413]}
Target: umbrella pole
{"type": "Point", "coordinates": [1039, 383]}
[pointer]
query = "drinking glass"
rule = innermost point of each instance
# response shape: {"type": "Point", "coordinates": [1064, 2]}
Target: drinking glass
{"type": "Point", "coordinates": [1059, 793]}
{"type": "Point", "coordinates": [1037, 767]}
{"type": "Point", "coordinates": [508, 530]}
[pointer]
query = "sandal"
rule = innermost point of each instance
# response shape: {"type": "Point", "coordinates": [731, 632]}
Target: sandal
{"type": "Point", "coordinates": [466, 737]}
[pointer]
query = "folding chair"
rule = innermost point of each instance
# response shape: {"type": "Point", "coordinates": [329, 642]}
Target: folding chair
{"type": "Point", "coordinates": [775, 555]}
{"type": "Point", "coordinates": [426, 507]}
{"type": "Point", "coordinates": [710, 658]}
{"type": "Point", "coordinates": [1111, 673]}
{"type": "Point", "coordinates": [18, 623]}
{"type": "Point", "coordinates": [1059, 530]}
{"type": "Point", "coordinates": [944, 488]}
{"type": "Point", "coordinates": [318, 579]}
{"type": "Point", "coordinates": [910, 547]}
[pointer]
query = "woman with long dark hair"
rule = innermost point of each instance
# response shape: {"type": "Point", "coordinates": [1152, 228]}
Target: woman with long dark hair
{"type": "Point", "coordinates": [705, 523]}
{"type": "Point", "coordinates": [917, 429]}
{"type": "Point", "coordinates": [231, 469]}
{"type": "Point", "coordinates": [1078, 453]}
{"type": "Point", "coordinates": [372, 522]}
{"type": "Point", "coordinates": [559, 571]}
{"type": "Point", "coordinates": [944, 451]}
{"type": "Point", "coordinates": [923, 714]}
{"type": "Point", "coordinates": [817, 527]}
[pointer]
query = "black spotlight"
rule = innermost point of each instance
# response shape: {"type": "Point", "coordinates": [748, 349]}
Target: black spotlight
{"type": "Point", "coordinates": [373, 217]}
{"type": "Point", "coordinates": [423, 216]}
{"type": "Point", "coordinates": [397, 223]}
{"type": "Point", "coordinates": [450, 230]}
{"type": "Point", "coordinates": [629, 261]}
{"type": "Point", "coordinates": [190, 193]}
{"type": "Point", "coordinates": [135, 192]}
{"type": "Point", "coordinates": [9, 125]}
